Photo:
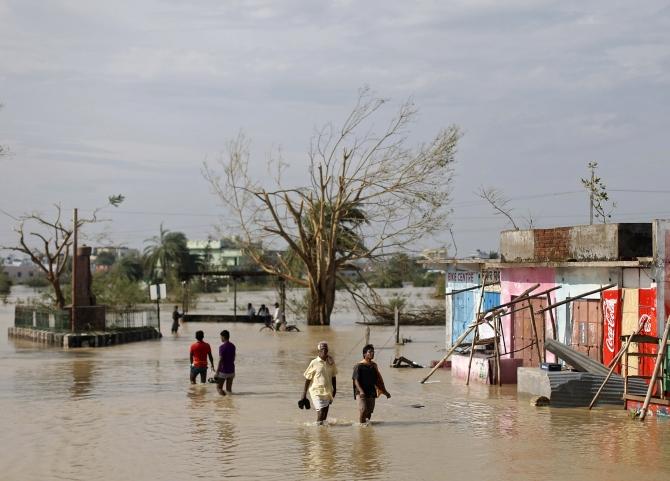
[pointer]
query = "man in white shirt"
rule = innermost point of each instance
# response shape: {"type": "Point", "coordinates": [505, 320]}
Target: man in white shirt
{"type": "Point", "coordinates": [278, 317]}
{"type": "Point", "coordinates": [320, 378]}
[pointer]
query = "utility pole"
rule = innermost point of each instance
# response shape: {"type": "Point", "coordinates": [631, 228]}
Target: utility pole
{"type": "Point", "coordinates": [73, 310]}
{"type": "Point", "coordinates": [592, 166]}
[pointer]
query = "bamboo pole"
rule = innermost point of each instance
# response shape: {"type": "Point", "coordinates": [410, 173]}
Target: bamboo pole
{"type": "Point", "coordinates": [659, 360]}
{"type": "Point", "coordinates": [532, 323]}
{"type": "Point", "coordinates": [624, 349]}
{"type": "Point", "coordinates": [496, 340]}
{"type": "Point", "coordinates": [551, 316]}
{"type": "Point", "coordinates": [453, 348]}
{"type": "Point", "coordinates": [472, 353]}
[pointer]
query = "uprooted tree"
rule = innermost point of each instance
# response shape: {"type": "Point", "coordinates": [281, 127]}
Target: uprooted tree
{"type": "Point", "coordinates": [366, 195]}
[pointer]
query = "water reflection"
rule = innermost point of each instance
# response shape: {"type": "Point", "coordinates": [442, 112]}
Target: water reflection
{"type": "Point", "coordinates": [82, 378]}
{"type": "Point", "coordinates": [319, 451]}
{"type": "Point", "coordinates": [367, 458]}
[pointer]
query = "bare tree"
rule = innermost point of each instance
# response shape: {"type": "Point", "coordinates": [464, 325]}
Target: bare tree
{"type": "Point", "coordinates": [47, 243]}
{"type": "Point", "coordinates": [367, 194]}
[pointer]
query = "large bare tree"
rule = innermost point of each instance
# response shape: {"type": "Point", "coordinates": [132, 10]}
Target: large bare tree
{"type": "Point", "coordinates": [366, 194]}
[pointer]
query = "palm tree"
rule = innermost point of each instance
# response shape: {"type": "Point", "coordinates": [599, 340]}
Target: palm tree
{"type": "Point", "coordinates": [166, 255]}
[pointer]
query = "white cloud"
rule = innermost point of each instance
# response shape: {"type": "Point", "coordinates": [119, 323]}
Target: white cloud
{"type": "Point", "coordinates": [98, 92]}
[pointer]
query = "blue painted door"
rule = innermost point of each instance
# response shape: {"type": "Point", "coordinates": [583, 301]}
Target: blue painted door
{"type": "Point", "coordinates": [463, 313]}
{"type": "Point", "coordinates": [491, 300]}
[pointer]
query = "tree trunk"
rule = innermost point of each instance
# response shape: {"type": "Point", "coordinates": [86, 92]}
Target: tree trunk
{"type": "Point", "coordinates": [321, 302]}
{"type": "Point", "coordinates": [58, 292]}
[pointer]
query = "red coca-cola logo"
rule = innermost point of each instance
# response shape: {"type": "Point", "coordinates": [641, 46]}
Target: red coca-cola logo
{"type": "Point", "coordinates": [645, 322]}
{"type": "Point", "coordinates": [609, 306]}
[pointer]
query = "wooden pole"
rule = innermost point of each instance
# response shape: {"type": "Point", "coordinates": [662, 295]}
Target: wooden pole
{"type": "Point", "coordinates": [73, 311]}
{"type": "Point", "coordinates": [551, 316]}
{"type": "Point", "coordinates": [496, 341]}
{"type": "Point", "coordinates": [659, 360]}
{"type": "Point", "coordinates": [614, 362]}
{"type": "Point", "coordinates": [396, 316]}
{"type": "Point", "coordinates": [535, 336]}
{"type": "Point", "coordinates": [472, 353]}
{"type": "Point", "coordinates": [451, 350]}
{"type": "Point", "coordinates": [367, 335]}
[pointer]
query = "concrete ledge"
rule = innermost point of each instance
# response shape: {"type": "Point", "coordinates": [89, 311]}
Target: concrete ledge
{"type": "Point", "coordinates": [574, 389]}
{"type": "Point", "coordinates": [483, 370]}
{"type": "Point", "coordinates": [84, 339]}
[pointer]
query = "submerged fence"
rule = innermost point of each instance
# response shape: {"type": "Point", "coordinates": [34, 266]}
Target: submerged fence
{"type": "Point", "coordinates": [59, 320]}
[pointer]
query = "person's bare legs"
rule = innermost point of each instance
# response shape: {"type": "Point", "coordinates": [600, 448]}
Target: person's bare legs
{"type": "Point", "coordinates": [219, 387]}
{"type": "Point", "coordinates": [321, 415]}
{"type": "Point", "coordinates": [229, 384]}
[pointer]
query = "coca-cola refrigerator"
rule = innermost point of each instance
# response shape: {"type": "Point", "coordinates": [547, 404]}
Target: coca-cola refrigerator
{"type": "Point", "coordinates": [611, 299]}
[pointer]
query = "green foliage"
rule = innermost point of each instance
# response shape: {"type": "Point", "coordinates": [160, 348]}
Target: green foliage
{"type": "Point", "coordinates": [397, 301]}
{"type": "Point", "coordinates": [440, 286]}
{"type": "Point", "coordinates": [115, 290]}
{"type": "Point", "coordinates": [599, 197]}
{"type": "Point", "coordinates": [130, 267]}
{"type": "Point", "coordinates": [105, 258]}
{"type": "Point", "coordinates": [166, 256]}
{"type": "Point", "coordinates": [37, 281]}
{"type": "Point", "coordinates": [116, 200]}
{"type": "Point", "coordinates": [397, 269]}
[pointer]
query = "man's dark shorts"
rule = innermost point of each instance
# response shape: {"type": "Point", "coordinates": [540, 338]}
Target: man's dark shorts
{"type": "Point", "coordinates": [366, 404]}
{"type": "Point", "coordinates": [199, 370]}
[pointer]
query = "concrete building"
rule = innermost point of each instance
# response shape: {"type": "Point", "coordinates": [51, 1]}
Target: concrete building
{"type": "Point", "coordinates": [218, 254]}
{"type": "Point", "coordinates": [634, 257]}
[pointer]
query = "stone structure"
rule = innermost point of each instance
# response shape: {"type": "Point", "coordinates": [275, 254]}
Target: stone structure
{"type": "Point", "coordinates": [88, 316]}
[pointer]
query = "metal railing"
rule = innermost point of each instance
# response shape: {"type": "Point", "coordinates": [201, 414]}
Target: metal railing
{"type": "Point", "coordinates": [128, 318]}
{"type": "Point", "coordinates": [43, 318]}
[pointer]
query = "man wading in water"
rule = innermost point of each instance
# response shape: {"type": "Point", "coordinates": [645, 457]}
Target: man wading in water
{"type": "Point", "coordinates": [175, 319]}
{"type": "Point", "coordinates": [226, 370]}
{"type": "Point", "coordinates": [198, 354]}
{"type": "Point", "coordinates": [368, 384]}
{"type": "Point", "coordinates": [320, 379]}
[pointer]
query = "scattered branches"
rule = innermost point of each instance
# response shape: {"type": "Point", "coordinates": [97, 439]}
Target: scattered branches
{"type": "Point", "coordinates": [499, 202]}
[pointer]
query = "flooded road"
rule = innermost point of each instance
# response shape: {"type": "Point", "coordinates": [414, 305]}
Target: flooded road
{"type": "Point", "coordinates": [129, 412]}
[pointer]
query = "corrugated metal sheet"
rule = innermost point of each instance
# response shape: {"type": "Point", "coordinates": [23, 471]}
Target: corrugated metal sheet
{"type": "Point", "coordinates": [575, 359]}
{"type": "Point", "coordinates": [577, 389]}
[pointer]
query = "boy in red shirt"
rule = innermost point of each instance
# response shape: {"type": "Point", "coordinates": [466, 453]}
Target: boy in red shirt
{"type": "Point", "coordinates": [198, 354]}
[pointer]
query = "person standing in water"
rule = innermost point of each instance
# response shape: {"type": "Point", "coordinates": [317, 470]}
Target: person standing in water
{"type": "Point", "coordinates": [368, 384]}
{"type": "Point", "coordinates": [198, 354]}
{"type": "Point", "coordinates": [225, 372]}
{"type": "Point", "coordinates": [176, 315]}
{"type": "Point", "coordinates": [320, 378]}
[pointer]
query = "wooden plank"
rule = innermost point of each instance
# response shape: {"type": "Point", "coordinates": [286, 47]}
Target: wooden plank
{"type": "Point", "coordinates": [657, 368]}
{"type": "Point", "coordinates": [654, 400]}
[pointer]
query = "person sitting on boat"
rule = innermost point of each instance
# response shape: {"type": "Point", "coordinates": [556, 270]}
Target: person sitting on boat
{"type": "Point", "coordinates": [251, 312]}
{"type": "Point", "coordinates": [264, 313]}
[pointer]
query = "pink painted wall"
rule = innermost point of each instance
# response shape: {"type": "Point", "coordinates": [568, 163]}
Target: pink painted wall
{"type": "Point", "coordinates": [515, 281]}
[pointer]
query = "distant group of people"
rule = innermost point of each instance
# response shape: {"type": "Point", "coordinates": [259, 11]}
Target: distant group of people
{"type": "Point", "coordinates": [320, 376]}
{"type": "Point", "coordinates": [278, 317]}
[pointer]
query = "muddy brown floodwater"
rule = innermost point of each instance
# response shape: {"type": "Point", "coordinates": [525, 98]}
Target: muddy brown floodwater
{"type": "Point", "coordinates": [129, 412]}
